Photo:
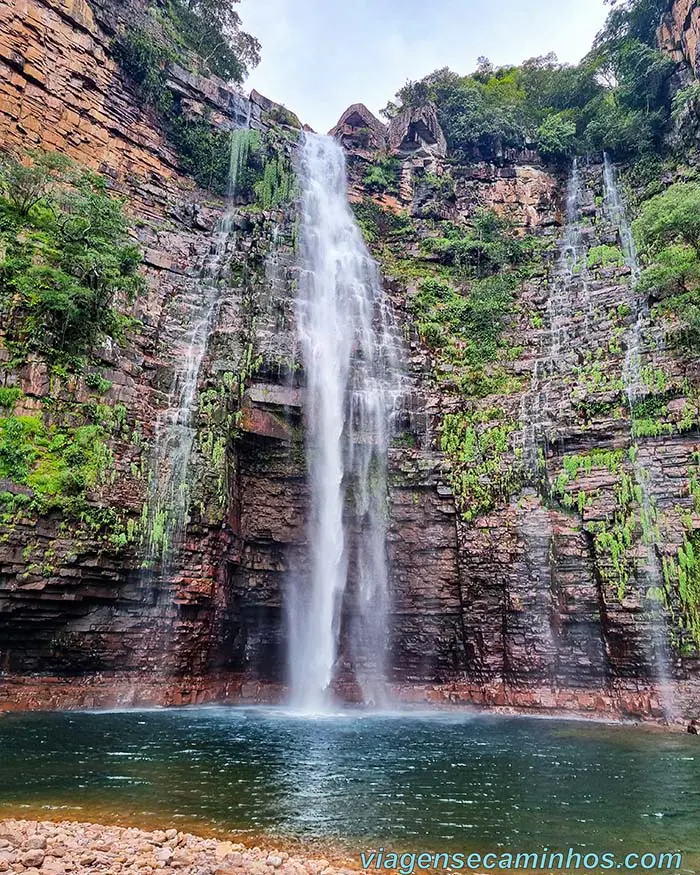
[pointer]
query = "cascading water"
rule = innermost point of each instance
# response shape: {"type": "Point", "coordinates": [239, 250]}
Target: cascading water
{"type": "Point", "coordinates": [561, 305]}
{"type": "Point", "coordinates": [168, 503]}
{"type": "Point", "coordinates": [560, 309]}
{"type": "Point", "coordinates": [349, 352]}
{"type": "Point", "coordinates": [635, 391]}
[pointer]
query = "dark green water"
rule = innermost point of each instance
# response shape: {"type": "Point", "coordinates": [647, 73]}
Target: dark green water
{"type": "Point", "coordinates": [447, 782]}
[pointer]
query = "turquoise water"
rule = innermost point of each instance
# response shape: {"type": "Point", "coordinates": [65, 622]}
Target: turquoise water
{"type": "Point", "coordinates": [439, 781]}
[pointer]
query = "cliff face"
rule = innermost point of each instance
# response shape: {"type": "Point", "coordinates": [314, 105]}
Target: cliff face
{"type": "Point", "coordinates": [679, 33]}
{"type": "Point", "coordinates": [504, 593]}
{"type": "Point", "coordinates": [73, 601]}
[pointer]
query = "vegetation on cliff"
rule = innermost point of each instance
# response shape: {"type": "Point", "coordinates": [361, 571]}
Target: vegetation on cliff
{"type": "Point", "coordinates": [203, 35]}
{"type": "Point", "coordinates": [209, 34]}
{"type": "Point", "coordinates": [618, 99]}
{"type": "Point", "coordinates": [68, 270]}
{"type": "Point", "coordinates": [66, 258]}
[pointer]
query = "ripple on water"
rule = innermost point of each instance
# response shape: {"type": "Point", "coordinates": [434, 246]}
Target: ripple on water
{"type": "Point", "coordinates": [402, 778]}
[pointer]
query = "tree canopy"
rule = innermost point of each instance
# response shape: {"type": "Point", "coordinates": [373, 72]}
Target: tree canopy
{"type": "Point", "coordinates": [617, 99]}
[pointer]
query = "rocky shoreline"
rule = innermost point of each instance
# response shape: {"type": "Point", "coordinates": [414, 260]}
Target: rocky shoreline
{"type": "Point", "coordinates": [36, 847]}
{"type": "Point", "coordinates": [616, 702]}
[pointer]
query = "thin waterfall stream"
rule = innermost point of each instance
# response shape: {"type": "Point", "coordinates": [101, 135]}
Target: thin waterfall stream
{"type": "Point", "coordinates": [349, 351]}
{"type": "Point", "coordinates": [561, 305]}
{"type": "Point", "coordinates": [169, 494]}
{"type": "Point", "coordinates": [635, 390]}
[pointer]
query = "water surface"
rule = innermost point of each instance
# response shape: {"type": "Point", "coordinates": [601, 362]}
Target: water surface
{"type": "Point", "coordinates": [441, 781]}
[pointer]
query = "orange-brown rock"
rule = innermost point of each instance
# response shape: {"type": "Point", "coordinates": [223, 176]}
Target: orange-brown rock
{"type": "Point", "coordinates": [679, 33]}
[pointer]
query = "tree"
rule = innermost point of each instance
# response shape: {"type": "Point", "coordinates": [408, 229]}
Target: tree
{"type": "Point", "coordinates": [556, 136]}
{"type": "Point", "coordinates": [671, 217]}
{"type": "Point", "coordinates": [676, 269]}
{"type": "Point", "coordinates": [23, 184]}
{"type": "Point", "coordinates": [66, 255]}
{"type": "Point", "coordinates": [212, 29]}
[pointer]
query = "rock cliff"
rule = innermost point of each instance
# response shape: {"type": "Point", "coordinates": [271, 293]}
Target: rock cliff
{"type": "Point", "coordinates": [504, 591]}
{"type": "Point", "coordinates": [679, 33]}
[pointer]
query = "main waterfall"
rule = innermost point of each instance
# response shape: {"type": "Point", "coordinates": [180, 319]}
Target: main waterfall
{"type": "Point", "coordinates": [349, 354]}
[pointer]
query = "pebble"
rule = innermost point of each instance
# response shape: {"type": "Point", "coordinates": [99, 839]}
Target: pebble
{"type": "Point", "coordinates": [45, 848]}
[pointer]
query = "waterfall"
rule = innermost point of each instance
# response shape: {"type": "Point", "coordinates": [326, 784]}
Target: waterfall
{"type": "Point", "coordinates": [349, 352]}
{"type": "Point", "coordinates": [617, 213]}
{"type": "Point", "coordinates": [635, 389]}
{"type": "Point", "coordinates": [166, 512]}
{"type": "Point", "coordinates": [561, 307]}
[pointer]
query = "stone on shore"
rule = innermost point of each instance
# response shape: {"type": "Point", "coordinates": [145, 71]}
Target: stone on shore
{"type": "Point", "coordinates": [46, 848]}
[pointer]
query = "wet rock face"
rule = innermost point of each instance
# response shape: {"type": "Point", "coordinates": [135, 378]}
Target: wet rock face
{"type": "Point", "coordinates": [71, 602]}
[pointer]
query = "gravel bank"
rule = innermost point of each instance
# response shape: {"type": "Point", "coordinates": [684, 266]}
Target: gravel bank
{"type": "Point", "coordinates": [45, 848]}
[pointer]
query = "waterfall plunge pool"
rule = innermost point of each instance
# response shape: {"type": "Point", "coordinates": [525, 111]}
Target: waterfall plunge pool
{"type": "Point", "coordinates": [439, 781]}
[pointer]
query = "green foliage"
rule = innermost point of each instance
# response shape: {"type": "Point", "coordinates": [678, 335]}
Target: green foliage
{"type": "Point", "coordinates": [481, 251]}
{"type": "Point", "coordinates": [144, 58]}
{"type": "Point", "coordinates": [67, 256]}
{"type": "Point", "coordinates": [618, 99]}
{"type": "Point", "coordinates": [377, 223]}
{"type": "Point", "coordinates": [556, 136]}
{"type": "Point", "coordinates": [276, 186]}
{"type": "Point", "coordinates": [57, 465]}
{"type": "Point", "coordinates": [685, 112]}
{"type": "Point", "coordinates": [668, 230]}
{"type": "Point", "coordinates": [671, 217]}
{"type": "Point", "coordinates": [25, 184]}
{"type": "Point", "coordinates": [468, 324]}
{"type": "Point", "coordinates": [9, 396]}
{"type": "Point", "coordinates": [481, 474]}
{"type": "Point", "coordinates": [98, 383]}
{"type": "Point", "coordinates": [382, 175]}
{"type": "Point", "coordinates": [684, 570]}
{"type": "Point", "coordinates": [205, 32]}
{"type": "Point", "coordinates": [605, 256]}
{"type": "Point", "coordinates": [204, 151]}
{"type": "Point", "coordinates": [441, 187]}
{"type": "Point", "coordinates": [676, 269]}
{"type": "Point", "coordinates": [212, 30]}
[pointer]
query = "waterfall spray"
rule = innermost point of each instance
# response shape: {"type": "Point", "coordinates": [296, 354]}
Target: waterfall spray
{"type": "Point", "coordinates": [349, 351]}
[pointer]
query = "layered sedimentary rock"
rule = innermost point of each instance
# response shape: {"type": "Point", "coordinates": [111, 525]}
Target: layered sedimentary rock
{"type": "Point", "coordinates": [71, 602]}
{"type": "Point", "coordinates": [516, 605]}
{"type": "Point", "coordinates": [679, 34]}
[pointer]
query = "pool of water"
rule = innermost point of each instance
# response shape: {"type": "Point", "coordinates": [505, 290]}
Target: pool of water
{"type": "Point", "coordinates": [410, 781]}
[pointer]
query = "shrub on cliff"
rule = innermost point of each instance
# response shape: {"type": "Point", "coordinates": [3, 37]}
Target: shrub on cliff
{"type": "Point", "coordinates": [382, 175]}
{"type": "Point", "coordinates": [66, 256]}
{"type": "Point", "coordinates": [482, 250]}
{"type": "Point", "coordinates": [143, 58]}
{"type": "Point", "coordinates": [668, 231]}
{"type": "Point", "coordinates": [670, 217]}
{"type": "Point", "coordinates": [556, 136]}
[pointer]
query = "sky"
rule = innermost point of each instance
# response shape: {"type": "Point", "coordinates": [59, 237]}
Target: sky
{"type": "Point", "coordinates": [320, 56]}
